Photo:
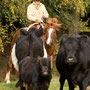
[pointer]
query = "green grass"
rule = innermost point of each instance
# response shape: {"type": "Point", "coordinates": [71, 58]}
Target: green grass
{"type": "Point", "coordinates": [11, 86]}
{"type": "Point", "coordinates": [54, 85]}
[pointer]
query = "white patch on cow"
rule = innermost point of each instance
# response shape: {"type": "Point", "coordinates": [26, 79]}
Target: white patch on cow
{"type": "Point", "coordinates": [7, 79]}
{"type": "Point", "coordinates": [14, 58]}
{"type": "Point", "coordinates": [45, 52]}
{"type": "Point", "coordinates": [49, 37]}
{"type": "Point", "coordinates": [70, 59]}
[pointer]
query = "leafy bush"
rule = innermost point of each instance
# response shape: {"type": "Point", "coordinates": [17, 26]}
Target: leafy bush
{"type": "Point", "coordinates": [12, 18]}
{"type": "Point", "coordinates": [1, 46]}
{"type": "Point", "coordinates": [69, 12]}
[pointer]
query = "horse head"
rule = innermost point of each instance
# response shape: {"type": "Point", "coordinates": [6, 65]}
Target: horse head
{"type": "Point", "coordinates": [50, 30]}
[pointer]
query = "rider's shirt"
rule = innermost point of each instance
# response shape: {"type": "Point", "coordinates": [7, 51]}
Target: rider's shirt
{"type": "Point", "coordinates": [34, 12]}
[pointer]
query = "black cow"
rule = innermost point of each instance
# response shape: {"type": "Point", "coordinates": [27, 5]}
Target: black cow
{"type": "Point", "coordinates": [29, 44]}
{"type": "Point", "coordinates": [84, 33]}
{"type": "Point", "coordinates": [73, 61]}
{"type": "Point", "coordinates": [35, 72]}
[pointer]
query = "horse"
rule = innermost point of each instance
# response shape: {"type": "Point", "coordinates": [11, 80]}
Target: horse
{"type": "Point", "coordinates": [15, 37]}
{"type": "Point", "coordinates": [49, 37]}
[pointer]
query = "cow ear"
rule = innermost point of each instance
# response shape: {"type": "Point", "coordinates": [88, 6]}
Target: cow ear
{"type": "Point", "coordinates": [64, 38]}
{"type": "Point", "coordinates": [39, 32]}
{"type": "Point", "coordinates": [83, 40]}
{"type": "Point", "coordinates": [57, 26]}
{"type": "Point", "coordinates": [23, 32]}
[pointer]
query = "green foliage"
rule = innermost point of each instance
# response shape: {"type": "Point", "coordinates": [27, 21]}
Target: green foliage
{"type": "Point", "coordinates": [12, 17]}
{"type": "Point", "coordinates": [69, 12]}
{"type": "Point", "coordinates": [1, 46]}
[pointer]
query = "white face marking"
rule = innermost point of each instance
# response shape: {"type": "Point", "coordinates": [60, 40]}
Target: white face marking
{"type": "Point", "coordinates": [45, 52]}
{"type": "Point", "coordinates": [14, 58]}
{"type": "Point", "coordinates": [49, 37]}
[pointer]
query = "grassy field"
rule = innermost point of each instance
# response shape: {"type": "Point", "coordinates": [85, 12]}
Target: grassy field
{"type": "Point", "coordinates": [54, 85]}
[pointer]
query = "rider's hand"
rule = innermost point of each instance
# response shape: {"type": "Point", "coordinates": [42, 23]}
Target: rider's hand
{"type": "Point", "coordinates": [39, 20]}
{"type": "Point", "coordinates": [44, 16]}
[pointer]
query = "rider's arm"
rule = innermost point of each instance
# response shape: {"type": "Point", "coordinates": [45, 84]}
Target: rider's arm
{"type": "Point", "coordinates": [45, 13]}
{"type": "Point", "coordinates": [30, 13]}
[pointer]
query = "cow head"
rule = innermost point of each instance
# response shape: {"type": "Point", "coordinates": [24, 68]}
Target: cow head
{"type": "Point", "coordinates": [71, 46]}
{"type": "Point", "coordinates": [44, 66]}
{"type": "Point", "coordinates": [39, 32]}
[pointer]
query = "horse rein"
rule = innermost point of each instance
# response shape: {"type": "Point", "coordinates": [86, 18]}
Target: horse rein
{"type": "Point", "coordinates": [38, 25]}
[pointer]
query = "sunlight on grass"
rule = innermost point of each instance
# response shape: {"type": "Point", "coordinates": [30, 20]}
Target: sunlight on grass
{"type": "Point", "coordinates": [54, 85]}
{"type": "Point", "coordinates": [11, 86]}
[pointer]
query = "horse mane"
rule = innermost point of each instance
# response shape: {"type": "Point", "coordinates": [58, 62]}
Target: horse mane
{"type": "Point", "coordinates": [52, 22]}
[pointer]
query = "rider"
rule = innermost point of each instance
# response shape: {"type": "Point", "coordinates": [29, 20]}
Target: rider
{"type": "Point", "coordinates": [36, 12]}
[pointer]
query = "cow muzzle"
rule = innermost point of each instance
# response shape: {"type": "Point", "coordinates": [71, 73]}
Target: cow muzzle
{"type": "Point", "coordinates": [70, 61]}
{"type": "Point", "coordinates": [45, 71]}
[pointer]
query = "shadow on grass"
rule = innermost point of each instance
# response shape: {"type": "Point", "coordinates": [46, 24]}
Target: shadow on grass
{"type": "Point", "coordinates": [54, 85]}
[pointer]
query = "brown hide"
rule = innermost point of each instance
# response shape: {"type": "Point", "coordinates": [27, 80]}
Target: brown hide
{"type": "Point", "coordinates": [50, 48]}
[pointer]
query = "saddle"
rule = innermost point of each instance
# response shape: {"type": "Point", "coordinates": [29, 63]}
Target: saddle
{"type": "Point", "coordinates": [36, 25]}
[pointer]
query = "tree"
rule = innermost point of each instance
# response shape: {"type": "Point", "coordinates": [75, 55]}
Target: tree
{"type": "Point", "coordinates": [69, 12]}
{"type": "Point", "coordinates": [73, 14]}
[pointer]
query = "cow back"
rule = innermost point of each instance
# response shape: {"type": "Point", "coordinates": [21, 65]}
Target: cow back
{"type": "Point", "coordinates": [29, 45]}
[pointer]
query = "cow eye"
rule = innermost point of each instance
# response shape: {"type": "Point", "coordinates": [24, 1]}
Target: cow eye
{"type": "Point", "coordinates": [65, 48]}
{"type": "Point", "coordinates": [76, 48]}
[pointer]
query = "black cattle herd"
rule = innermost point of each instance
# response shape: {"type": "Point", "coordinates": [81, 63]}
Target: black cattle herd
{"type": "Point", "coordinates": [72, 61]}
